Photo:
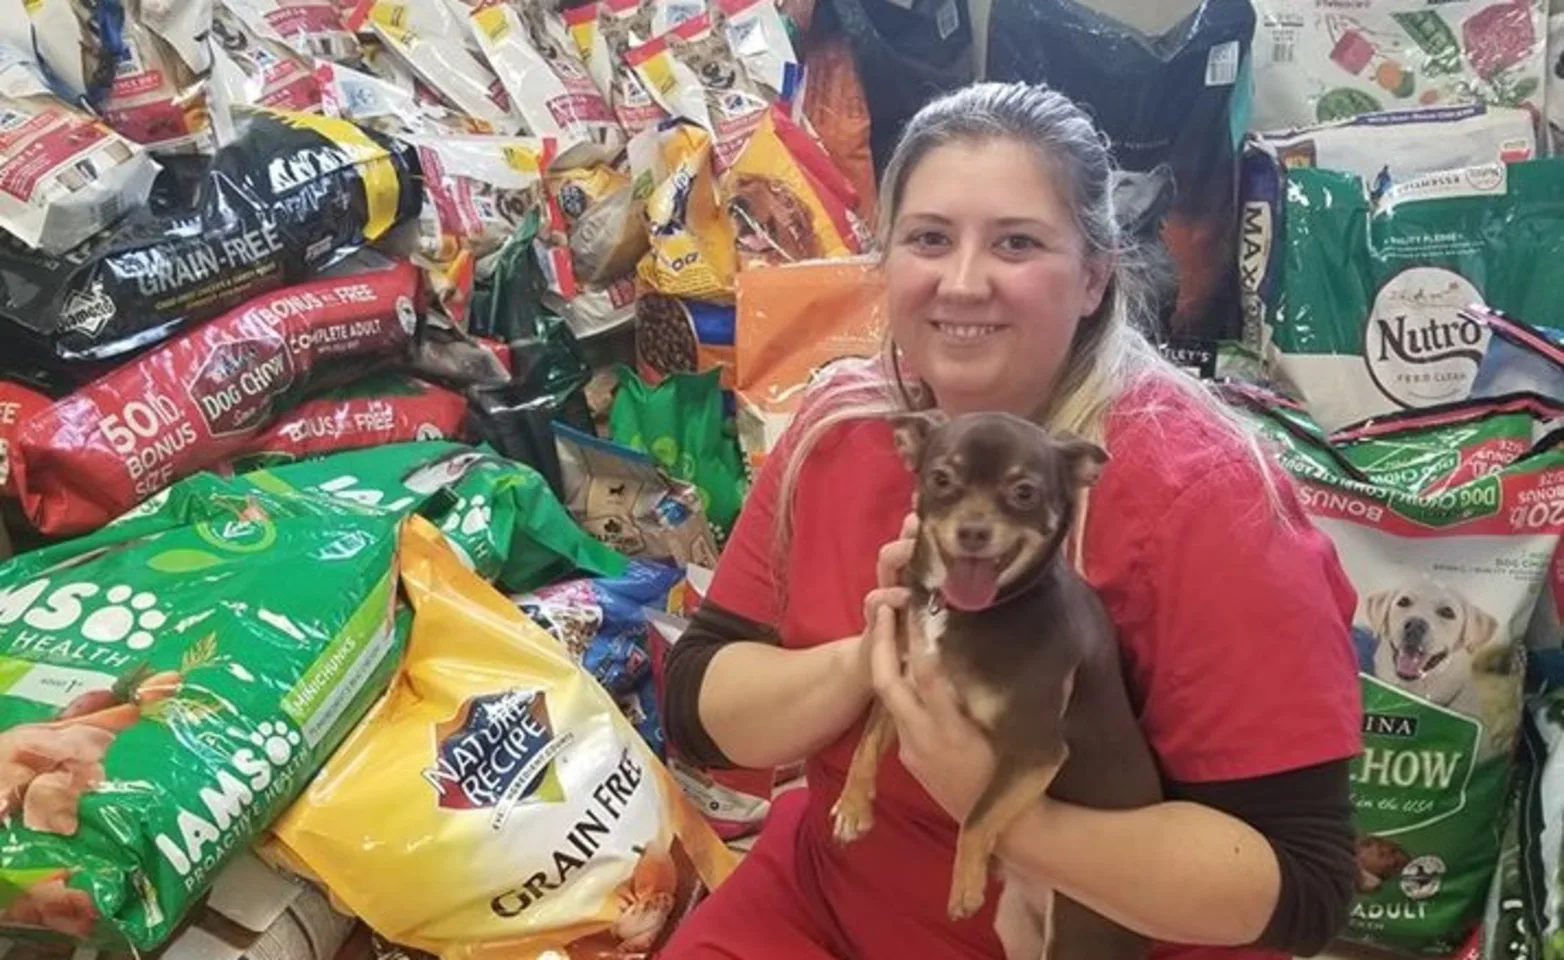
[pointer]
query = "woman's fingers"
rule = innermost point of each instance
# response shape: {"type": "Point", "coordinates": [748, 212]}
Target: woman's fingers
{"type": "Point", "coordinates": [909, 527]}
{"type": "Point", "coordinates": [894, 597]}
{"type": "Point", "coordinates": [894, 557]}
{"type": "Point", "coordinates": [896, 694]}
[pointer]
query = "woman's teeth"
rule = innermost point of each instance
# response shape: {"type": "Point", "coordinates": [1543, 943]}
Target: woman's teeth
{"type": "Point", "coordinates": [966, 331]}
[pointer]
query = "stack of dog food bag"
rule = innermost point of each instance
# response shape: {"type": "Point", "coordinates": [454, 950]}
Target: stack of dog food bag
{"type": "Point", "coordinates": [380, 379]}
{"type": "Point", "coordinates": [369, 389]}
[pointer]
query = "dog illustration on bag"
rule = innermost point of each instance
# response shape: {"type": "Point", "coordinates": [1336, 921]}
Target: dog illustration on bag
{"type": "Point", "coordinates": [1435, 644]}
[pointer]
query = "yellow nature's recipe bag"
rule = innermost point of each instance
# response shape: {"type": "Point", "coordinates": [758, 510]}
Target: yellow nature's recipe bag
{"type": "Point", "coordinates": [495, 803]}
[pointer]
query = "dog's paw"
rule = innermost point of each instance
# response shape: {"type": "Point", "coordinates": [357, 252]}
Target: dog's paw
{"type": "Point", "coordinates": [966, 899]}
{"type": "Point", "coordinates": [852, 819]}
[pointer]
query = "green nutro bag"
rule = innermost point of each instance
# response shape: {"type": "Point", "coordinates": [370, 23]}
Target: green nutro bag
{"type": "Point", "coordinates": [166, 693]}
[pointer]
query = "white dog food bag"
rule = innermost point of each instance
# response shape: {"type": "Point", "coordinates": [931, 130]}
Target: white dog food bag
{"type": "Point", "coordinates": [1322, 60]}
{"type": "Point", "coordinates": [1446, 524]}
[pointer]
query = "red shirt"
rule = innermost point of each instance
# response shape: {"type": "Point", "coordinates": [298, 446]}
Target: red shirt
{"type": "Point", "coordinates": [1234, 629]}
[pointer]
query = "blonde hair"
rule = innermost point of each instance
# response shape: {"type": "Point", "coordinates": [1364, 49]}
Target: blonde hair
{"type": "Point", "coordinates": [1109, 356]}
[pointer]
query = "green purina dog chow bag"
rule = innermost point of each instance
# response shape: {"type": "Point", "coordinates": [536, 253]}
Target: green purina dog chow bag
{"type": "Point", "coordinates": [1365, 320]}
{"type": "Point", "coordinates": [165, 695]}
{"type": "Point", "coordinates": [1446, 523]}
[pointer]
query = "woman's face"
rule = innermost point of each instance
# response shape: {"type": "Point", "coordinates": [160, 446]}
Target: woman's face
{"type": "Point", "coordinates": [988, 277]}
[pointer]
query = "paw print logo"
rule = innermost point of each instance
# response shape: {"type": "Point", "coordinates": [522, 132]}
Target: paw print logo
{"type": "Point", "coordinates": [130, 616]}
{"type": "Point", "coordinates": [471, 517]}
{"type": "Point", "coordinates": [277, 741]}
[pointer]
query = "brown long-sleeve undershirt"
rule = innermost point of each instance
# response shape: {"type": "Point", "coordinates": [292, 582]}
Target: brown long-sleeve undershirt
{"type": "Point", "coordinates": [1305, 814]}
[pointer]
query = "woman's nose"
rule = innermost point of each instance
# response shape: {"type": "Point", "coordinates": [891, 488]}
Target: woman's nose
{"type": "Point", "coordinates": [966, 273]}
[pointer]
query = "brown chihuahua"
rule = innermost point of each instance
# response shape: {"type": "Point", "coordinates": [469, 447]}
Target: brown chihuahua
{"type": "Point", "coordinates": [1032, 655]}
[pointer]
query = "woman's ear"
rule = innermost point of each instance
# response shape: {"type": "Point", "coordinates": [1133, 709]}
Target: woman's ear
{"type": "Point", "coordinates": [1099, 277]}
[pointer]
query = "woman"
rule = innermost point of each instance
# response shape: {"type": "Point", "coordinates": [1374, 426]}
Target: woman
{"type": "Point", "coordinates": [1007, 290]}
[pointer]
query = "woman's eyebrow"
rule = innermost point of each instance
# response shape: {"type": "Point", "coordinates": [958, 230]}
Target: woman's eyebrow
{"type": "Point", "coordinates": [930, 217]}
{"type": "Point", "coordinates": [1032, 222]}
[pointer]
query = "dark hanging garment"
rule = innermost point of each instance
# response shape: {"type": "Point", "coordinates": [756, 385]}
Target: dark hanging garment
{"type": "Point", "coordinates": [1180, 99]}
{"type": "Point", "coordinates": [908, 52]}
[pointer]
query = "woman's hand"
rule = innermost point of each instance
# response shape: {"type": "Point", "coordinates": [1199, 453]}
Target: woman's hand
{"type": "Point", "coordinates": [935, 740]}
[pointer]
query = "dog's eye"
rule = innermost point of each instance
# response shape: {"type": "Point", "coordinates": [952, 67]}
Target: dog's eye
{"type": "Point", "coordinates": [1404, 602]}
{"type": "Point", "coordinates": [1445, 612]}
{"type": "Point", "coordinates": [941, 480]}
{"type": "Point", "coordinates": [1023, 495]}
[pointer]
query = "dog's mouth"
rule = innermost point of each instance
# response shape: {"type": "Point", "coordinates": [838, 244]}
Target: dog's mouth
{"type": "Point", "coordinates": [1414, 665]}
{"type": "Point", "coordinates": [972, 583]}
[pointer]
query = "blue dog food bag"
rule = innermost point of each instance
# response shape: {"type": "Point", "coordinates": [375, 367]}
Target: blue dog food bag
{"type": "Point", "coordinates": [1447, 523]}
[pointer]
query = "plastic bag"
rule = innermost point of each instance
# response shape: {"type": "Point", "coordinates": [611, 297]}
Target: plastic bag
{"type": "Point", "coordinates": [683, 336]}
{"type": "Point", "coordinates": [1315, 62]}
{"type": "Point", "coordinates": [536, 62]}
{"type": "Point", "coordinates": [835, 106]}
{"type": "Point", "coordinates": [624, 24]}
{"type": "Point", "coordinates": [379, 105]}
{"type": "Point", "coordinates": [64, 176]}
{"type": "Point", "coordinates": [681, 424]}
{"type": "Point", "coordinates": [1520, 358]}
{"type": "Point", "coordinates": [1173, 99]}
{"type": "Point", "coordinates": [601, 622]}
{"type": "Point", "coordinates": [605, 219]}
{"type": "Point", "coordinates": [1368, 316]}
{"type": "Point", "coordinates": [692, 241]}
{"type": "Point", "coordinates": [479, 190]}
{"type": "Point", "coordinates": [381, 409]}
{"type": "Point", "coordinates": [18, 406]}
{"type": "Point", "coordinates": [258, 69]}
{"type": "Point", "coordinates": [173, 692]}
{"type": "Point", "coordinates": [759, 38]}
{"type": "Point", "coordinates": [313, 28]}
{"type": "Point", "coordinates": [160, 96]}
{"type": "Point", "coordinates": [793, 322]}
{"type": "Point", "coordinates": [692, 71]}
{"type": "Point", "coordinates": [426, 35]}
{"type": "Point", "coordinates": [492, 713]}
{"type": "Point", "coordinates": [200, 398]}
{"type": "Point", "coordinates": [1448, 555]}
{"type": "Point", "coordinates": [623, 499]}
{"type": "Point", "coordinates": [582, 25]}
{"type": "Point", "coordinates": [788, 202]}
{"type": "Point", "coordinates": [1382, 148]}
{"type": "Point", "coordinates": [294, 194]}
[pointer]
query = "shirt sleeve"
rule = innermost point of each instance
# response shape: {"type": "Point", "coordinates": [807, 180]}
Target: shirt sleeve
{"type": "Point", "coordinates": [1253, 671]}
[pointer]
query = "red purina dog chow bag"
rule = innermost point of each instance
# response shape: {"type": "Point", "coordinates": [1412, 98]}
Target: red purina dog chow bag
{"type": "Point", "coordinates": [196, 400]}
{"type": "Point", "coordinates": [1446, 522]}
{"type": "Point", "coordinates": [18, 404]}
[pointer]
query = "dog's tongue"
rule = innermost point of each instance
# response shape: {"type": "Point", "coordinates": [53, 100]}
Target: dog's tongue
{"type": "Point", "coordinates": [1409, 666]}
{"type": "Point", "coordinates": [971, 584]}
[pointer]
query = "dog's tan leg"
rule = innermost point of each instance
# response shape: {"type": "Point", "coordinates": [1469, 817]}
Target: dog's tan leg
{"type": "Point", "coordinates": [1019, 781]}
{"type": "Point", "coordinates": [1007, 796]}
{"type": "Point", "coordinates": [854, 810]}
{"type": "Point", "coordinates": [1023, 920]}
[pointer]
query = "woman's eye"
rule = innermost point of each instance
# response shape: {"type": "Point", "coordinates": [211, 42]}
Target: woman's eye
{"type": "Point", "coordinates": [926, 240]}
{"type": "Point", "coordinates": [1019, 243]}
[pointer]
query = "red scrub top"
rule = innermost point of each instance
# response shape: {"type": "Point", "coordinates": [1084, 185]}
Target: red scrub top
{"type": "Point", "coordinates": [1235, 637]}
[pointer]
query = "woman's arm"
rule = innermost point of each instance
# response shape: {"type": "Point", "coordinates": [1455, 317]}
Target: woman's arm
{"type": "Point", "coordinates": [1176, 871]}
{"type": "Point", "coordinates": [767, 706]}
{"type": "Point", "coordinates": [734, 697]}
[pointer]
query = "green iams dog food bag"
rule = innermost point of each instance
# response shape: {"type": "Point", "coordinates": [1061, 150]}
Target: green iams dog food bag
{"type": "Point", "coordinates": [1365, 314]}
{"type": "Point", "coordinates": [1446, 522]}
{"type": "Point", "coordinates": [165, 693]}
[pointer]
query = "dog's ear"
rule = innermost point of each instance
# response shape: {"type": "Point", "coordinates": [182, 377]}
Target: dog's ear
{"type": "Point", "coordinates": [1376, 610]}
{"type": "Point", "coordinates": [1480, 630]}
{"type": "Point", "coordinates": [1084, 459]}
{"type": "Point", "coordinates": [912, 433]}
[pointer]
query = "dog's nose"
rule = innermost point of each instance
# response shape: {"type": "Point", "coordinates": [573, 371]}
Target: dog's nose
{"type": "Point", "coordinates": [1414, 632]}
{"type": "Point", "coordinates": [973, 537]}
